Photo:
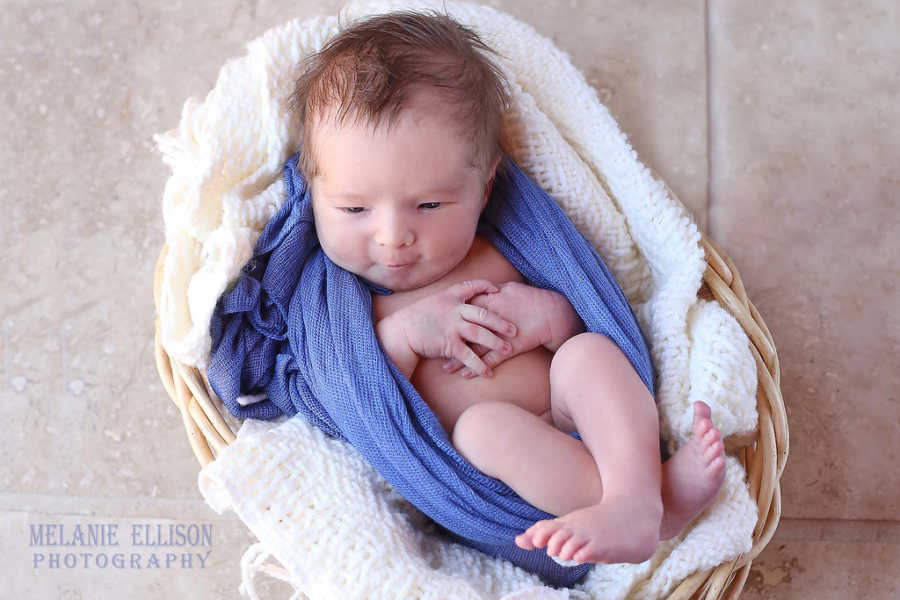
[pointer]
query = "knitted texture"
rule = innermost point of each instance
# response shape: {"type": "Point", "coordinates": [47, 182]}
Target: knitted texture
{"type": "Point", "coordinates": [226, 158]}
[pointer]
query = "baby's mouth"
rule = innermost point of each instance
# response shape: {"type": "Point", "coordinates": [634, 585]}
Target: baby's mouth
{"type": "Point", "coordinates": [397, 264]}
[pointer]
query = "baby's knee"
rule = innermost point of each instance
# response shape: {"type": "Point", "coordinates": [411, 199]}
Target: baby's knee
{"type": "Point", "coordinates": [581, 353]}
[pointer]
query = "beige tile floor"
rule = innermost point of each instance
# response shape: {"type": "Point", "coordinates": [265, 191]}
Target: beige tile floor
{"type": "Point", "coordinates": [776, 123]}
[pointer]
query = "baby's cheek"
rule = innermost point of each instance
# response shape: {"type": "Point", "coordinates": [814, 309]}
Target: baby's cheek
{"type": "Point", "coordinates": [334, 239]}
{"type": "Point", "coordinates": [334, 251]}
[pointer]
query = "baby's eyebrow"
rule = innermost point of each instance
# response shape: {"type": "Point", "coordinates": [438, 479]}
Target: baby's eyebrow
{"type": "Point", "coordinates": [347, 195]}
{"type": "Point", "coordinates": [437, 191]}
{"type": "Point", "coordinates": [448, 189]}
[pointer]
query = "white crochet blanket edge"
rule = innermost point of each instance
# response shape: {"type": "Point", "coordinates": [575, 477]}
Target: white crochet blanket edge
{"type": "Point", "coordinates": [226, 158]}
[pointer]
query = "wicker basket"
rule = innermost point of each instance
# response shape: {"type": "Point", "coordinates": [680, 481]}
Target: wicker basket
{"type": "Point", "coordinates": [208, 431]}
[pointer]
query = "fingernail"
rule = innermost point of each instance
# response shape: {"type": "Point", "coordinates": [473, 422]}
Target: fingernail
{"type": "Point", "coordinates": [511, 329]}
{"type": "Point", "coordinates": [507, 348]}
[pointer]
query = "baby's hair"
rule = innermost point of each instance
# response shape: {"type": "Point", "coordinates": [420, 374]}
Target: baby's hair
{"type": "Point", "coordinates": [368, 71]}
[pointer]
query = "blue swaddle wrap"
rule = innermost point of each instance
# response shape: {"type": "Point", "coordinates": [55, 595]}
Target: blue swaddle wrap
{"type": "Point", "coordinates": [300, 329]}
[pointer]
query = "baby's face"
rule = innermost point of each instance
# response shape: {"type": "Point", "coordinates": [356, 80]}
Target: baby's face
{"type": "Point", "coordinates": [397, 207]}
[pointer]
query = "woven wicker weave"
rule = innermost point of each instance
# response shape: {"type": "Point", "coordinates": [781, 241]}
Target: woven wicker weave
{"type": "Point", "coordinates": [209, 432]}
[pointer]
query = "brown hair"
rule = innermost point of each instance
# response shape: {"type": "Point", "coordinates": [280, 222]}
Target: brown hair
{"type": "Point", "coordinates": [368, 71]}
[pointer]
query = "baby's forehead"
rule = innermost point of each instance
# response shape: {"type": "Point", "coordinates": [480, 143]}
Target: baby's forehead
{"type": "Point", "coordinates": [330, 122]}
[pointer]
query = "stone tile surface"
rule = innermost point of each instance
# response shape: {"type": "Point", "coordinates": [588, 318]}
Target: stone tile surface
{"type": "Point", "coordinates": [87, 85]}
{"type": "Point", "coordinates": [831, 569]}
{"type": "Point", "coordinates": [804, 185]}
{"type": "Point", "coordinates": [647, 61]}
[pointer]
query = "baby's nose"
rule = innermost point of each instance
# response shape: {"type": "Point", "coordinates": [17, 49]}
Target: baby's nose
{"type": "Point", "coordinates": [395, 234]}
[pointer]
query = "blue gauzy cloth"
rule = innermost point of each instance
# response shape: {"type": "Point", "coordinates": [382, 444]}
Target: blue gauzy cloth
{"type": "Point", "coordinates": [300, 329]}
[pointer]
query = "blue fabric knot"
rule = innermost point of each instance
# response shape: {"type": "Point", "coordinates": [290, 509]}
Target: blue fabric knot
{"type": "Point", "coordinates": [300, 329]}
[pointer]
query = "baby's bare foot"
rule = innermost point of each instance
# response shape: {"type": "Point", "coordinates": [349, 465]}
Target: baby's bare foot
{"type": "Point", "coordinates": [625, 530]}
{"type": "Point", "coordinates": [693, 476]}
{"type": "Point", "coordinates": [615, 530]}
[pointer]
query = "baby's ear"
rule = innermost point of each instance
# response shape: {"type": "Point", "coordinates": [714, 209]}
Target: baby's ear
{"type": "Point", "coordinates": [494, 163]}
{"type": "Point", "coordinates": [490, 183]}
{"type": "Point", "coordinates": [487, 192]}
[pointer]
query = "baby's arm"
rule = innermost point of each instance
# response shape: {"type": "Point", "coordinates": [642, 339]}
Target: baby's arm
{"type": "Point", "coordinates": [442, 325]}
{"type": "Point", "coordinates": [564, 323]}
{"type": "Point", "coordinates": [543, 318]}
{"type": "Point", "coordinates": [393, 339]}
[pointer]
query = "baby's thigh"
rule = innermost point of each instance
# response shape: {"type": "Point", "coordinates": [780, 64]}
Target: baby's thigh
{"type": "Point", "coordinates": [491, 435]}
{"type": "Point", "coordinates": [582, 368]}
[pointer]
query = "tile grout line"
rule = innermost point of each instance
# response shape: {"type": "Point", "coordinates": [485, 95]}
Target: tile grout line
{"type": "Point", "coordinates": [709, 123]}
{"type": "Point", "coordinates": [100, 506]}
{"type": "Point", "coordinates": [838, 530]}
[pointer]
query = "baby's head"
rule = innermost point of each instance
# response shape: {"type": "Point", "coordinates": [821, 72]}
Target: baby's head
{"type": "Point", "coordinates": [401, 122]}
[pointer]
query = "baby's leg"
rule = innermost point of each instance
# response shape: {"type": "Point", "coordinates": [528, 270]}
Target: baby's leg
{"type": "Point", "coordinates": [550, 469]}
{"type": "Point", "coordinates": [559, 475]}
{"type": "Point", "coordinates": [595, 390]}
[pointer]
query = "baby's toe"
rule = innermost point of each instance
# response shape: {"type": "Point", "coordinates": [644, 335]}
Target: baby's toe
{"type": "Point", "coordinates": [542, 531]}
{"type": "Point", "coordinates": [572, 545]}
{"type": "Point", "coordinates": [701, 411]}
{"type": "Point", "coordinates": [711, 437]}
{"type": "Point", "coordinates": [556, 541]}
{"type": "Point", "coordinates": [523, 541]}
{"type": "Point", "coordinates": [717, 466]}
{"type": "Point", "coordinates": [701, 428]}
{"type": "Point", "coordinates": [713, 452]}
{"type": "Point", "coordinates": [588, 553]}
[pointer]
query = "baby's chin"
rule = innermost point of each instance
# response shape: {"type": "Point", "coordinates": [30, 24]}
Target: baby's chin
{"type": "Point", "coordinates": [402, 280]}
{"type": "Point", "coordinates": [421, 273]}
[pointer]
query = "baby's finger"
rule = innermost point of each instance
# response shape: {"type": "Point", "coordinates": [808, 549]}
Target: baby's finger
{"type": "Point", "coordinates": [471, 287]}
{"type": "Point", "coordinates": [491, 359]}
{"type": "Point", "coordinates": [471, 360]}
{"type": "Point", "coordinates": [479, 349]}
{"type": "Point", "coordinates": [452, 365]}
{"type": "Point", "coordinates": [475, 333]}
{"type": "Point", "coordinates": [491, 320]}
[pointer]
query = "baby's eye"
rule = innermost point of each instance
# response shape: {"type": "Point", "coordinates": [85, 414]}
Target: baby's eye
{"type": "Point", "coordinates": [430, 205]}
{"type": "Point", "coordinates": [353, 210]}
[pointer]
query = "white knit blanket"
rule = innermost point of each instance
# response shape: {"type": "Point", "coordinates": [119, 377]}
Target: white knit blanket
{"type": "Point", "coordinates": [335, 525]}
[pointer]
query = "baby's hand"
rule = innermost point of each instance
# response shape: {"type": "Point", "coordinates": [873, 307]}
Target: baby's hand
{"type": "Point", "coordinates": [440, 325]}
{"type": "Point", "coordinates": [532, 309]}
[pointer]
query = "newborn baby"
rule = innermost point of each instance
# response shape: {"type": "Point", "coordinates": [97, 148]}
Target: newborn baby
{"type": "Point", "coordinates": [401, 118]}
